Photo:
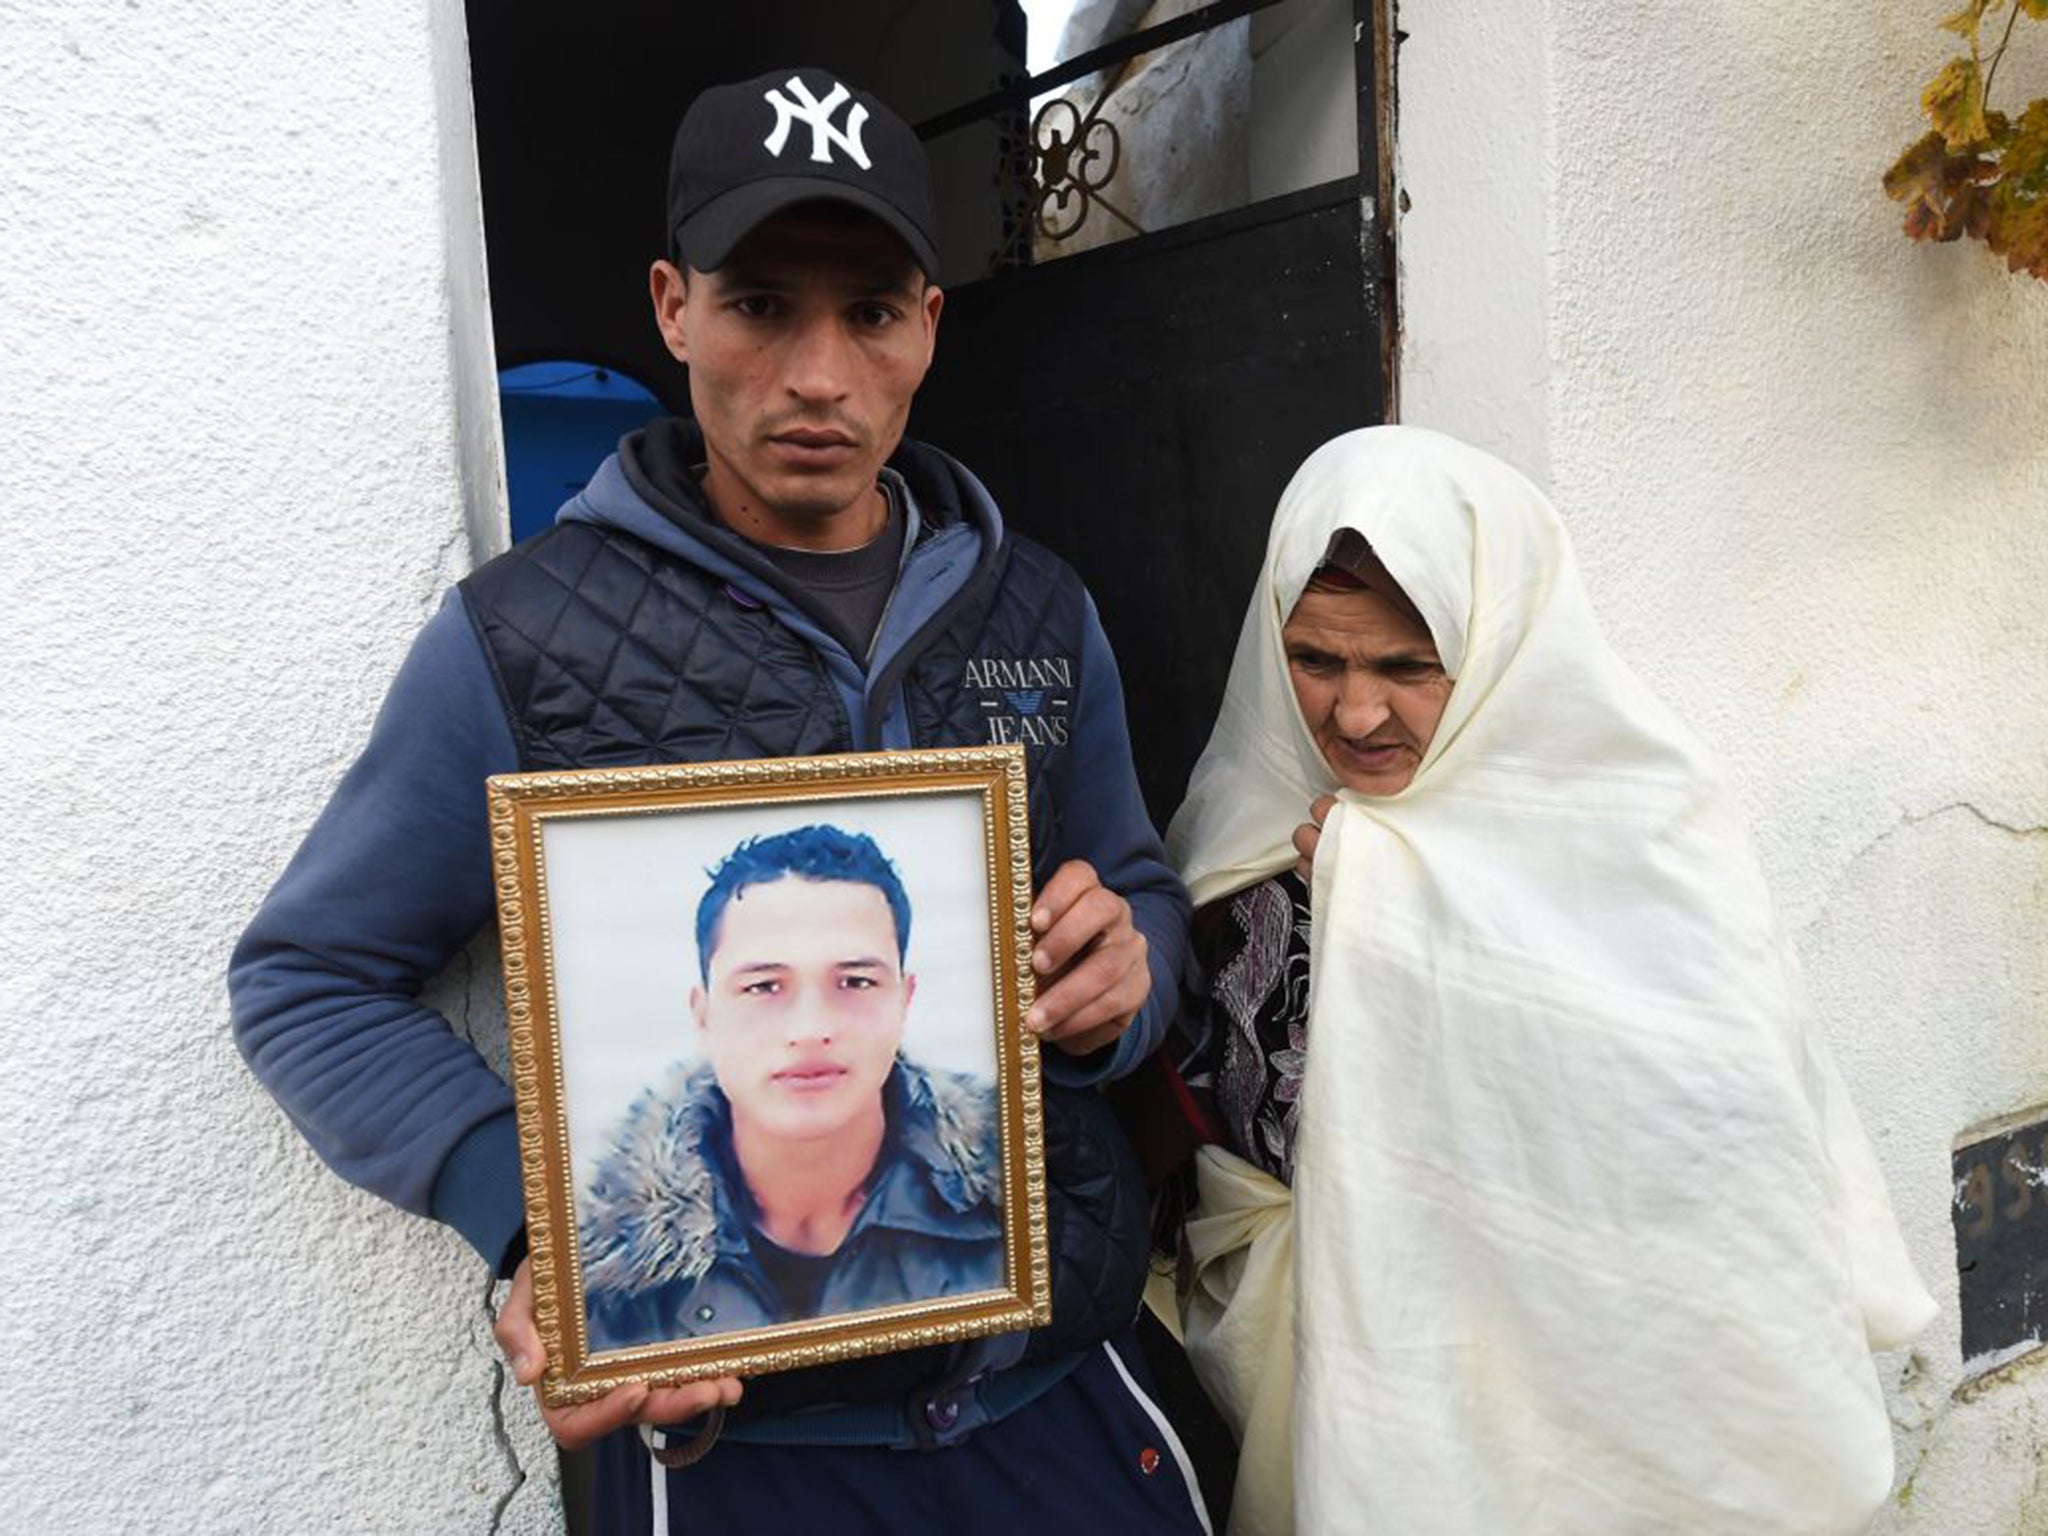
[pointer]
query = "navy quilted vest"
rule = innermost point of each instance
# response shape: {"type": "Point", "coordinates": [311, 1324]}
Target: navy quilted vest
{"type": "Point", "coordinates": [611, 653]}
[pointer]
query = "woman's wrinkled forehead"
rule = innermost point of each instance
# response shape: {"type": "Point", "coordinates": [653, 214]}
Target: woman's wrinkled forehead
{"type": "Point", "coordinates": [1349, 563]}
{"type": "Point", "coordinates": [1441, 607]}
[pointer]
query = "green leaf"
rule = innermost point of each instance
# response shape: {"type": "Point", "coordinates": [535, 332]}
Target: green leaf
{"type": "Point", "coordinates": [1943, 191]}
{"type": "Point", "coordinates": [1954, 102]}
{"type": "Point", "coordinates": [2038, 9]}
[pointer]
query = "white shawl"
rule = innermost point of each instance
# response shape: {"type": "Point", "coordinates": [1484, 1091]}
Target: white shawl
{"type": "Point", "coordinates": [1588, 1237]}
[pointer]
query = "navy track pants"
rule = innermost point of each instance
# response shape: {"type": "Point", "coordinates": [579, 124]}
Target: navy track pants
{"type": "Point", "coordinates": [1093, 1453]}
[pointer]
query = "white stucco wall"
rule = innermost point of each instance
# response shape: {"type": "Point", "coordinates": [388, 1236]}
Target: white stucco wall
{"type": "Point", "coordinates": [245, 401]}
{"type": "Point", "coordinates": [1647, 258]}
{"type": "Point", "coordinates": [229, 404]}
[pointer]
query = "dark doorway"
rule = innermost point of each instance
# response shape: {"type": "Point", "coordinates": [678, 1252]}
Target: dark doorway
{"type": "Point", "coordinates": [1138, 406]}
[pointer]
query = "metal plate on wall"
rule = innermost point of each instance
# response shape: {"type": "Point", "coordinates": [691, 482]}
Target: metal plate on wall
{"type": "Point", "coordinates": [2001, 1220]}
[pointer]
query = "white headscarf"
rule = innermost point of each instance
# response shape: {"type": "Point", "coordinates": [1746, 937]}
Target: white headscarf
{"type": "Point", "coordinates": [1588, 1237]}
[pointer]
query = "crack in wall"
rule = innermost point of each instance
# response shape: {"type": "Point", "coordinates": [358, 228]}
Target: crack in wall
{"type": "Point", "coordinates": [500, 1434]}
{"type": "Point", "coordinates": [1924, 1409]}
{"type": "Point", "coordinates": [453, 559]}
{"type": "Point", "coordinates": [1912, 819]}
{"type": "Point", "coordinates": [2035, 829]}
{"type": "Point", "coordinates": [461, 974]}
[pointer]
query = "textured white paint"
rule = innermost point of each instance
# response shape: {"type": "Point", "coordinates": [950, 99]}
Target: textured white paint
{"type": "Point", "coordinates": [245, 404]}
{"type": "Point", "coordinates": [229, 405]}
{"type": "Point", "coordinates": [1473, 144]}
{"type": "Point", "coordinates": [1647, 259]}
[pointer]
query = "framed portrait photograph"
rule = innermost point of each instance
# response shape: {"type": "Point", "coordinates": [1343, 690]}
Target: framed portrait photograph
{"type": "Point", "coordinates": [777, 1106]}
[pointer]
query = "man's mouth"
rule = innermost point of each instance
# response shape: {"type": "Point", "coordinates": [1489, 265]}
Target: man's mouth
{"type": "Point", "coordinates": [810, 1076]}
{"type": "Point", "coordinates": [814, 445]}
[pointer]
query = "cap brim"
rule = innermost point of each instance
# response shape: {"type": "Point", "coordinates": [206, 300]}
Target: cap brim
{"type": "Point", "coordinates": [711, 234]}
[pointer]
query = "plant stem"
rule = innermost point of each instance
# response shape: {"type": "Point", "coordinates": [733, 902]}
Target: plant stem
{"type": "Point", "coordinates": [1999, 57]}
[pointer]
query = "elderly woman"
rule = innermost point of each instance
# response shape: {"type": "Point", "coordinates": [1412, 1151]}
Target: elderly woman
{"type": "Point", "coordinates": [1583, 1234]}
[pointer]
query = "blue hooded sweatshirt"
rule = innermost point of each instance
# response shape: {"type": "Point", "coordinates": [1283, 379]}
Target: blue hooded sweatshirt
{"type": "Point", "coordinates": [394, 878]}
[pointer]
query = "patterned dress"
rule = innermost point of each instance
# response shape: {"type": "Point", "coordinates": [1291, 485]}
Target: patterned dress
{"type": "Point", "coordinates": [1247, 1042]}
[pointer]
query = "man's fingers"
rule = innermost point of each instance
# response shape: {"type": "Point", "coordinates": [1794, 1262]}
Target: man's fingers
{"type": "Point", "coordinates": [1090, 917]}
{"type": "Point", "coordinates": [671, 1405]}
{"type": "Point", "coordinates": [1110, 1008]}
{"type": "Point", "coordinates": [1069, 882]}
{"type": "Point", "coordinates": [1060, 1002]}
{"type": "Point", "coordinates": [1319, 810]}
{"type": "Point", "coordinates": [582, 1423]}
{"type": "Point", "coordinates": [1092, 1040]}
{"type": "Point", "coordinates": [1090, 961]}
{"type": "Point", "coordinates": [517, 1334]}
{"type": "Point", "coordinates": [1110, 983]}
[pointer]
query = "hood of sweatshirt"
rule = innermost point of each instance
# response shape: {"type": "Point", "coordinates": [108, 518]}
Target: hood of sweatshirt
{"type": "Point", "coordinates": [650, 489]}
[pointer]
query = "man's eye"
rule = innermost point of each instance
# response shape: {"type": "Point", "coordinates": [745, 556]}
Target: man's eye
{"type": "Point", "coordinates": [755, 306]}
{"type": "Point", "coordinates": [874, 316]}
{"type": "Point", "coordinates": [858, 983]}
{"type": "Point", "coordinates": [764, 988]}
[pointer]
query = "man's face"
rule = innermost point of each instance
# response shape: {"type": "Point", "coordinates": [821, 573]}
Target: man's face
{"type": "Point", "coordinates": [1370, 685]}
{"type": "Point", "coordinates": [803, 1010]}
{"type": "Point", "coordinates": [804, 350]}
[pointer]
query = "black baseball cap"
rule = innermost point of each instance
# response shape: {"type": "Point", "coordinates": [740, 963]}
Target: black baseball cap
{"type": "Point", "coordinates": [745, 152]}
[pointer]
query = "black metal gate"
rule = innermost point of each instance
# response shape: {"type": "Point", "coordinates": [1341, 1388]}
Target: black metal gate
{"type": "Point", "coordinates": [1139, 407]}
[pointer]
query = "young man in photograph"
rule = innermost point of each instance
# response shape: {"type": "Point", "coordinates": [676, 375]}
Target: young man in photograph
{"type": "Point", "coordinates": [781, 575]}
{"type": "Point", "coordinates": [799, 1165]}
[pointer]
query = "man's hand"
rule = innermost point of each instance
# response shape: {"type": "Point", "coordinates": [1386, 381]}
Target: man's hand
{"type": "Point", "coordinates": [1090, 961]}
{"type": "Point", "coordinates": [1310, 833]}
{"type": "Point", "coordinates": [581, 1423]}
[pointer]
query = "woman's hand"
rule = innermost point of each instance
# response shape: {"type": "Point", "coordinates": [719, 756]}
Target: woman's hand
{"type": "Point", "coordinates": [1309, 833]}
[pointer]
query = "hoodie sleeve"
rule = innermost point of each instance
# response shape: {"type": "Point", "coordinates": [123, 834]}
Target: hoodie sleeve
{"type": "Point", "coordinates": [392, 881]}
{"type": "Point", "coordinates": [1105, 822]}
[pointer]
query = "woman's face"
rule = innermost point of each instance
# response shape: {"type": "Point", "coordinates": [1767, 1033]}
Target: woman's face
{"type": "Point", "coordinates": [1370, 685]}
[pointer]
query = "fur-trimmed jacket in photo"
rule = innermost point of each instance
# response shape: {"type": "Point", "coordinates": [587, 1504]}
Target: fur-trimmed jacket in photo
{"type": "Point", "coordinates": [668, 1236]}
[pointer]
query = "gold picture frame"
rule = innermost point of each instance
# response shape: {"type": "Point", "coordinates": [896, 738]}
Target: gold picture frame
{"type": "Point", "coordinates": [598, 949]}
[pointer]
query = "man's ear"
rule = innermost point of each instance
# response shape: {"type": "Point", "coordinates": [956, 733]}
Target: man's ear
{"type": "Point", "coordinates": [934, 301]}
{"type": "Point", "coordinates": [669, 287]}
{"type": "Point", "coordinates": [699, 1007]}
{"type": "Point", "coordinates": [909, 989]}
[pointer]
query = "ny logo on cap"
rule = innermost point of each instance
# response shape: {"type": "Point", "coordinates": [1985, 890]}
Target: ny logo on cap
{"type": "Point", "coordinates": [817, 116]}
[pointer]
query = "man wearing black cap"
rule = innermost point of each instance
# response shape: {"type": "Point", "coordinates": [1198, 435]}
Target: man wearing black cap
{"type": "Point", "coordinates": [780, 575]}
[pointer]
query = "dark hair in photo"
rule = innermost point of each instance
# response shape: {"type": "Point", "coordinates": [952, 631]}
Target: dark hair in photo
{"type": "Point", "coordinates": [819, 852]}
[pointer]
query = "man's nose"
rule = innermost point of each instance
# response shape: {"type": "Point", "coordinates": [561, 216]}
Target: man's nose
{"type": "Point", "coordinates": [1361, 703]}
{"type": "Point", "coordinates": [819, 362]}
{"type": "Point", "coordinates": [808, 1018]}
